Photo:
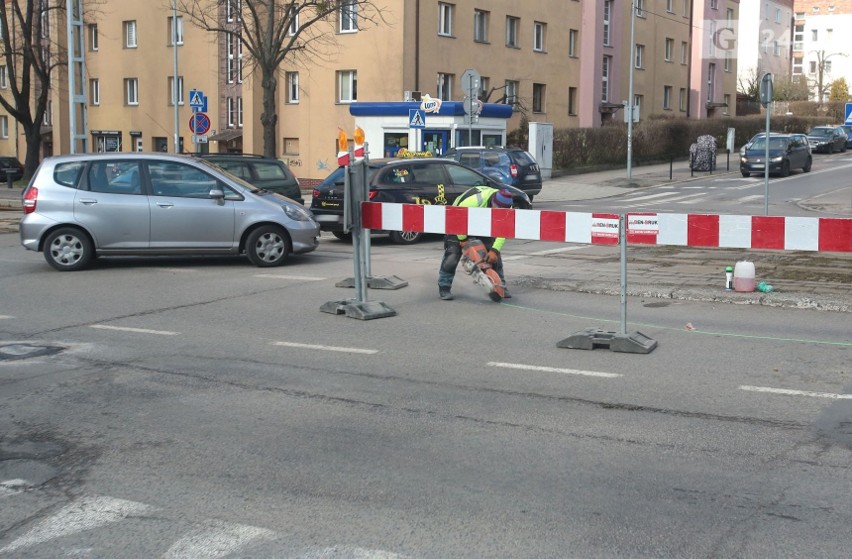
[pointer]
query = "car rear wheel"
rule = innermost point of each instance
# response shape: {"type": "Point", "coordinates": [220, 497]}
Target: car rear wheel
{"type": "Point", "coordinates": [406, 237]}
{"type": "Point", "coordinates": [808, 165]}
{"type": "Point", "coordinates": [68, 249]}
{"type": "Point", "coordinates": [342, 236]}
{"type": "Point", "coordinates": [267, 246]}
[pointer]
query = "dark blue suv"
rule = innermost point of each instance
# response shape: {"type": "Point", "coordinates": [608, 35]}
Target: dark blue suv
{"type": "Point", "coordinates": [512, 166]}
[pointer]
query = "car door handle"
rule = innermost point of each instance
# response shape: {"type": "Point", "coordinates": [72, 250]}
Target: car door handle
{"type": "Point", "coordinates": [88, 201]}
{"type": "Point", "coordinates": [165, 204]}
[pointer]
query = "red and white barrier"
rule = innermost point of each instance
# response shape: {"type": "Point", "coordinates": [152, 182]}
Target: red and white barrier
{"type": "Point", "coordinates": [698, 230]}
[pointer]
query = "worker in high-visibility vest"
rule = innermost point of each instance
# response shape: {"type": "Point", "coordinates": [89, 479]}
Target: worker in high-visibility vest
{"type": "Point", "coordinates": [476, 197]}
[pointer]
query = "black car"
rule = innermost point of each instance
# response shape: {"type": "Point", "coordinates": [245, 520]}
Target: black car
{"type": "Point", "coordinates": [786, 152]}
{"type": "Point", "coordinates": [828, 139]}
{"type": "Point", "coordinates": [848, 129]}
{"type": "Point", "coordinates": [512, 166]}
{"type": "Point", "coordinates": [10, 167]}
{"type": "Point", "coordinates": [404, 181]}
{"type": "Point", "coordinates": [262, 172]}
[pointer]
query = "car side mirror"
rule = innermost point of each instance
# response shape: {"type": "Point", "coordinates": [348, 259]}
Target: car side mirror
{"type": "Point", "coordinates": [217, 194]}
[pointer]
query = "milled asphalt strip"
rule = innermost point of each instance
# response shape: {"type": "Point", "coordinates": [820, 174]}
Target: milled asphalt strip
{"type": "Point", "coordinates": [327, 348]}
{"type": "Point", "coordinates": [786, 392]}
{"type": "Point", "coordinates": [552, 370]}
{"type": "Point", "coordinates": [136, 330]}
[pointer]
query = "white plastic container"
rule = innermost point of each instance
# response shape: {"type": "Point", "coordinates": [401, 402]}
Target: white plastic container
{"type": "Point", "coordinates": [744, 276]}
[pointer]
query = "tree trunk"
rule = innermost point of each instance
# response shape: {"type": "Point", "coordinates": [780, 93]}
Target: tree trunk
{"type": "Point", "coordinates": [269, 116]}
{"type": "Point", "coordinates": [33, 158]}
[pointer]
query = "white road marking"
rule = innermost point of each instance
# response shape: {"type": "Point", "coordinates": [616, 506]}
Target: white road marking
{"type": "Point", "coordinates": [302, 278]}
{"type": "Point", "coordinates": [687, 199]}
{"type": "Point", "coordinates": [175, 270]}
{"type": "Point", "coordinates": [327, 348]}
{"type": "Point", "coordinates": [752, 198]}
{"type": "Point", "coordinates": [137, 330]}
{"type": "Point", "coordinates": [215, 541]}
{"type": "Point", "coordinates": [552, 370]}
{"type": "Point", "coordinates": [649, 196]}
{"type": "Point", "coordinates": [85, 514]}
{"type": "Point", "coordinates": [543, 253]}
{"type": "Point", "coordinates": [347, 552]}
{"type": "Point", "coordinates": [11, 487]}
{"type": "Point", "coordinates": [5, 317]}
{"type": "Point", "coordinates": [787, 392]}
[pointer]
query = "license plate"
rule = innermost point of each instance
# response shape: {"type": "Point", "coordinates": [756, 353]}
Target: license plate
{"type": "Point", "coordinates": [532, 178]}
{"type": "Point", "coordinates": [758, 165]}
{"type": "Point", "coordinates": [326, 218]}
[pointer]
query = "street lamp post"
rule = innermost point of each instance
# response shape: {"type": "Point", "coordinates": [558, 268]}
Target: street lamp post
{"type": "Point", "coordinates": [175, 88]}
{"type": "Point", "coordinates": [629, 107]}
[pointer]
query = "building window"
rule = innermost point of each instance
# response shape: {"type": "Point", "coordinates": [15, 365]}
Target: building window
{"type": "Point", "coordinates": [176, 31]}
{"type": "Point", "coordinates": [480, 26]}
{"type": "Point", "coordinates": [728, 61]}
{"type": "Point", "coordinates": [291, 146]}
{"type": "Point", "coordinates": [234, 48]}
{"type": "Point", "coordinates": [512, 24]}
{"type": "Point", "coordinates": [826, 66]}
{"type": "Point", "coordinates": [4, 126]}
{"type": "Point", "coordinates": [684, 50]}
{"type": "Point", "coordinates": [347, 86]}
{"type": "Point", "coordinates": [171, 94]}
{"type": "Point", "coordinates": [572, 101]}
{"type": "Point", "coordinates": [730, 16]}
{"type": "Point", "coordinates": [711, 81]}
{"type": "Point", "coordinates": [538, 97]}
{"type": "Point", "coordinates": [814, 35]}
{"type": "Point", "coordinates": [94, 92]}
{"type": "Point", "coordinates": [293, 20]}
{"type": "Point", "coordinates": [681, 102]}
{"type": "Point", "coordinates": [714, 4]}
{"type": "Point", "coordinates": [670, 6]}
{"type": "Point", "coordinates": [292, 87]}
{"type": "Point", "coordinates": [607, 14]}
{"type": "Point", "coordinates": [777, 15]}
{"type": "Point", "coordinates": [798, 36]}
{"type": "Point", "coordinates": [797, 65]}
{"type": "Point", "coordinates": [445, 87]}
{"type": "Point", "coordinates": [640, 8]}
{"type": "Point", "coordinates": [512, 93]}
{"type": "Point", "coordinates": [348, 16]}
{"type": "Point", "coordinates": [669, 49]}
{"type": "Point", "coordinates": [640, 56]}
{"type": "Point", "coordinates": [812, 67]}
{"type": "Point", "coordinates": [776, 49]}
{"type": "Point", "coordinates": [445, 19]}
{"type": "Point", "coordinates": [637, 106]}
{"type": "Point", "coordinates": [4, 77]}
{"type": "Point", "coordinates": [572, 43]}
{"type": "Point", "coordinates": [240, 112]}
{"type": "Point", "coordinates": [539, 31]}
{"type": "Point", "coordinates": [231, 110]}
{"type": "Point", "coordinates": [131, 91]}
{"type": "Point", "coordinates": [47, 119]}
{"type": "Point", "coordinates": [727, 99]}
{"type": "Point", "coordinates": [667, 97]}
{"type": "Point", "coordinates": [130, 34]}
{"type": "Point", "coordinates": [93, 37]}
{"type": "Point", "coordinates": [484, 87]}
{"type": "Point", "coordinates": [607, 62]}
{"type": "Point", "coordinates": [233, 10]}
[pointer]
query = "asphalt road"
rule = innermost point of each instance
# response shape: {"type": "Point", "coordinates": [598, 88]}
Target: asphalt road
{"type": "Point", "coordinates": [206, 408]}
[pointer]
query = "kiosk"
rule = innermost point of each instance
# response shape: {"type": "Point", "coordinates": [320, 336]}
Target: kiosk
{"type": "Point", "coordinates": [434, 127]}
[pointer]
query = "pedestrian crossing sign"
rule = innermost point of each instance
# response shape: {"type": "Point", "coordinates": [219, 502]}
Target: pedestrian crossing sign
{"type": "Point", "coordinates": [416, 118]}
{"type": "Point", "coordinates": [848, 119]}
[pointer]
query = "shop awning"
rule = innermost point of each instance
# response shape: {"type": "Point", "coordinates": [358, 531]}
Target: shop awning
{"type": "Point", "coordinates": [226, 136]}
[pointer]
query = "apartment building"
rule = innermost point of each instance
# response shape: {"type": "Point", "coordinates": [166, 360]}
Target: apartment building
{"type": "Point", "coordinates": [820, 48]}
{"type": "Point", "coordinates": [764, 44]}
{"type": "Point", "coordinates": [566, 62]}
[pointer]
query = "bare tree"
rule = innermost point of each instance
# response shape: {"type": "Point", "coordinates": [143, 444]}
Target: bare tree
{"type": "Point", "coordinates": [749, 85]}
{"type": "Point", "coordinates": [820, 82]}
{"type": "Point", "coordinates": [30, 59]}
{"type": "Point", "coordinates": [300, 32]}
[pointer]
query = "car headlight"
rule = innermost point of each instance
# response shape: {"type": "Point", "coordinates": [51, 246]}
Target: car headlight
{"type": "Point", "coordinates": [296, 213]}
{"type": "Point", "coordinates": [777, 159]}
{"type": "Point", "coordinates": [744, 159]}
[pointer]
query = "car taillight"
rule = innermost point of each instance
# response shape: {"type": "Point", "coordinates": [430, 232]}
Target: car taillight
{"type": "Point", "coordinates": [514, 170]}
{"type": "Point", "coordinates": [315, 193]}
{"type": "Point", "coordinates": [30, 199]}
{"type": "Point", "coordinates": [373, 194]}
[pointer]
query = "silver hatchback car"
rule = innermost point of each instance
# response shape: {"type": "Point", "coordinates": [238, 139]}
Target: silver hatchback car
{"type": "Point", "coordinates": [77, 207]}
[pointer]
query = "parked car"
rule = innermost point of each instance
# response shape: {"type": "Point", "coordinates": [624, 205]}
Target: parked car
{"type": "Point", "coordinates": [848, 129]}
{"type": "Point", "coordinates": [263, 172]}
{"type": "Point", "coordinates": [404, 181]}
{"type": "Point", "coordinates": [828, 139]}
{"type": "Point", "coordinates": [10, 167]}
{"type": "Point", "coordinates": [77, 207]}
{"type": "Point", "coordinates": [512, 166]}
{"type": "Point", "coordinates": [786, 152]}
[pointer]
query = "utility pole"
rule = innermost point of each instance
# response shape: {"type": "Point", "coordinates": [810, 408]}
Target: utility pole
{"type": "Point", "coordinates": [629, 107]}
{"type": "Point", "coordinates": [175, 88]}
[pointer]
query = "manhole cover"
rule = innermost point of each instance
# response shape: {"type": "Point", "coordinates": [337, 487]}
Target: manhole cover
{"type": "Point", "coordinates": [16, 352]}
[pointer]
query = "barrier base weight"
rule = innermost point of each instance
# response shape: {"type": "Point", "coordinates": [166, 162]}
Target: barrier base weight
{"type": "Point", "coordinates": [363, 311]}
{"type": "Point", "coordinates": [380, 282]}
{"type": "Point", "coordinates": [592, 338]}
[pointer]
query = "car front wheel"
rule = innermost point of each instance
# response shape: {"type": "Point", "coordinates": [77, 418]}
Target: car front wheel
{"type": "Point", "coordinates": [267, 246]}
{"type": "Point", "coordinates": [746, 173]}
{"type": "Point", "coordinates": [405, 237]}
{"type": "Point", "coordinates": [68, 249]}
{"type": "Point", "coordinates": [785, 169]}
{"type": "Point", "coordinates": [808, 165]}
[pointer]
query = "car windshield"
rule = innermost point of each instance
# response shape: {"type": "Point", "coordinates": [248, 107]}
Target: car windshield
{"type": "Point", "coordinates": [774, 143]}
{"type": "Point", "coordinates": [820, 132]}
{"type": "Point", "coordinates": [230, 175]}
